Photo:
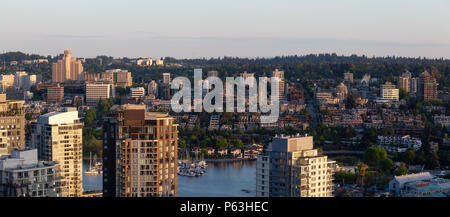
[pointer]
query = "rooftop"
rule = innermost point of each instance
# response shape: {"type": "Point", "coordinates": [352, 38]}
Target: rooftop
{"type": "Point", "coordinates": [413, 177]}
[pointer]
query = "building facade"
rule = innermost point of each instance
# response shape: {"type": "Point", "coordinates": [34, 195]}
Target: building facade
{"type": "Point", "coordinates": [118, 77]}
{"type": "Point", "coordinates": [404, 81]}
{"type": "Point", "coordinates": [12, 125]}
{"type": "Point", "coordinates": [68, 68]}
{"type": "Point", "coordinates": [389, 91]}
{"type": "Point", "coordinates": [58, 137]}
{"type": "Point", "coordinates": [166, 78]}
{"type": "Point", "coordinates": [280, 75]}
{"type": "Point", "coordinates": [98, 91]}
{"type": "Point", "coordinates": [22, 175]}
{"type": "Point", "coordinates": [295, 169]}
{"type": "Point", "coordinates": [427, 87]}
{"type": "Point", "coordinates": [137, 92]}
{"type": "Point", "coordinates": [55, 94]}
{"type": "Point", "coordinates": [140, 153]}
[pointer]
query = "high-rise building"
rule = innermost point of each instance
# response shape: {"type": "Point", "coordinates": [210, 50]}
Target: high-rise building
{"type": "Point", "coordinates": [164, 91]}
{"type": "Point", "coordinates": [152, 88]}
{"type": "Point", "coordinates": [426, 87]}
{"type": "Point", "coordinates": [166, 78]}
{"type": "Point", "coordinates": [12, 125]}
{"type": "Point", "coordinates": [280, 76]}
{"type": "Point", "coordinates": [414, 82]}
{"type": "Point", "coordinates": [98, 91]}
{"type": "Point", "coordinates": [55, 94]}
{"type": "Point", "coordinates": [404, 81]}
{"type": "Point", "coordinates": [22, 175]}
{"type": "Point", "coordinates": [291, 167]}
{"type": "Point", "coordinates": [58, 137]}
{"type": "Point", "coordinates": [69, 68]}
{"type": "Point", "coordinates": [341, 91]}
{"type": "Point", "coordinates": [139, 153]}
{"type": "Point", "coordinates": [389, 91]}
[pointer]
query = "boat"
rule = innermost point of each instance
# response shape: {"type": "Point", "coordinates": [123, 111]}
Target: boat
{"type": "Point", "coordinates": [91, 170]}
{"type": "Point", "coordinates": [191, 168]}
{"type": "Point", "coordinates": [246, 190]}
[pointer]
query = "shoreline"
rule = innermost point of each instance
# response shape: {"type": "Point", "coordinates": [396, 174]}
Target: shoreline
{"type": "Point", "coordinates": [228, 160]}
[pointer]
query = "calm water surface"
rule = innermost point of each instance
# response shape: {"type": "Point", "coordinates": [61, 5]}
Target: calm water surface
{"type": "Point", "coordinates": [222, 179]}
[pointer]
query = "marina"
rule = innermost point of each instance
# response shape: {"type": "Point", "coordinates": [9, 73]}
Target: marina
{"type": "Point", "coordinates": [192, 168]}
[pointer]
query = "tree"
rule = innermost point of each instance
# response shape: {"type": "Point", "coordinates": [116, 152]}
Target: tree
{"type": "Point", "coordinates": [351, 102]}
{"type": "Point", "coordinates": [91, 115]}
{"type": "Point", "coordinates": [403, 94]}
{"type": "Point", "coordinates": [374, 155]}
{"type": "Point", "coordinates": [370, 136]}
{"type": "Point", "coordinates": [409, 156]}
{"type": "Point", "coordinates": [204, 151]}
{"type": "Point", "coordinates": [346, 177]}
{"type": "Point", "coordinates": [222, 143]}
{"type": "Point", "coordinates": [28, 116]}
{"type": "Point", "coordinates": [181, 143]}
{"type": "Point", "coordinates": [238, 144]}
{"type": "Point", "coordinates": [432, 161]}
{"type": "Point", "coordinates": [401, 170]}
{"type": "Point", "coordinates": [386, 165]}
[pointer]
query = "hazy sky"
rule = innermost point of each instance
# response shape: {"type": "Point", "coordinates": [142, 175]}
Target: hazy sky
{"type": "Point", "coordinates": [212, 28]}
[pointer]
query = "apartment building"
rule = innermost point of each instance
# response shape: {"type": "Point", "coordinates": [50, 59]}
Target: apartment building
{"type": "Point", "coordinates": [389, 91]}
{"type": "Point", "coordinates": [348, 77]}
{"type": "Point", "coordinates": [426, 87]}
{"type": "Point", "coordinates": [98, 91]}
{"type": "Point", "coordinates": [22, 175]}
{"type": "Point", "coordinates": [58, 137]}
{"type": "Point", "coordinates": [12, 125]}
{"type": "Point", "coordinates": [399, 143]}
{"type": "Point", "coordinates": [118, 77]}
{"type": "Point", "coordinates": [139, 153]}
{"type": "Point", "coordinates": [280, 75]}
{"type": "Point", "coordinates": [137, 92]}
{"type": "Point", "coordinates": [295, 169]}
{"type": "Point", "coordinates": [68, 68]}
{"type": "Point", "coordinates": [166, 78]}
{"type": "Point", "coordinates": [55, 94]}
{"type": "Point", "coordinates": [262, 176]}
{"type": "Point", "coordinates": [6, 81]}
{"type": "Point", "coordinates": [404, 81]}
{"type": "Point", "coordinates": [152, 88]}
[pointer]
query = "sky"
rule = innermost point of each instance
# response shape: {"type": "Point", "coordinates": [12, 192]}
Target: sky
{"type": "Point", "coordinates": [213, 28]}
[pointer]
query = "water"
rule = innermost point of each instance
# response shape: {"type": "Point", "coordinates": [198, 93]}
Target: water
{"type": "Point", "coordinates": [222, 179]}
{"type": "Point", "coordinates": [91, 182]}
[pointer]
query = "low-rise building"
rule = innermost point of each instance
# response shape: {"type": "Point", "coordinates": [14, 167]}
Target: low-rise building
{"type": "Point", "coordinates": [137, 92]}
{"type": "Point", "coordinates": [419, 185]}
{"type": "Point", "coordinates": [399, 143]}
{"type": "Point", "coordinates": [235, 152]}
